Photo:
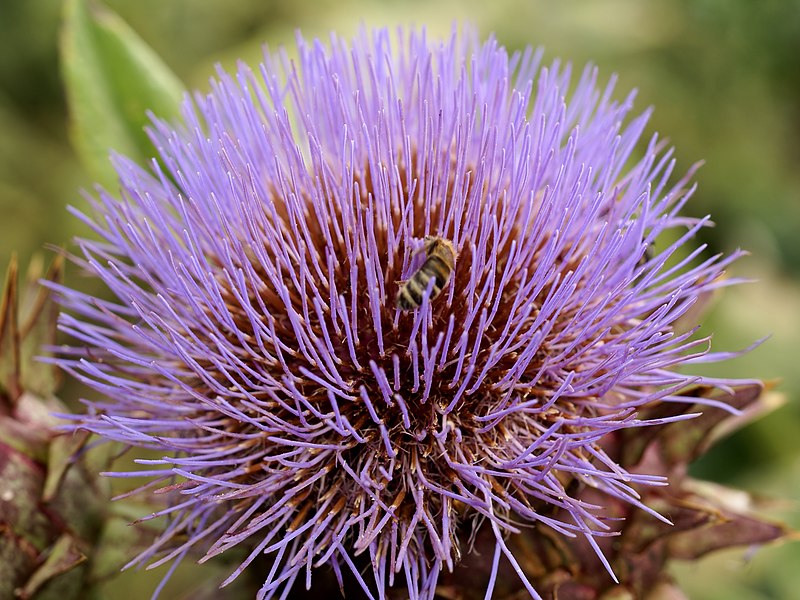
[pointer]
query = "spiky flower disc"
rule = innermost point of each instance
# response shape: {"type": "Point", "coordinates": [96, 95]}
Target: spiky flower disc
{"type": "Point", "coordinates": [255, 339]}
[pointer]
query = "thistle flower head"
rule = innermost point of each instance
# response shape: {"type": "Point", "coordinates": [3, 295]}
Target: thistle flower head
{"type": "Point", "coordinates": [256, 341]}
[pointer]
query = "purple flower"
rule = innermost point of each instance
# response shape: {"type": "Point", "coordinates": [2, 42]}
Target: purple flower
{"type": "Point", "coordinates": [256, 343]}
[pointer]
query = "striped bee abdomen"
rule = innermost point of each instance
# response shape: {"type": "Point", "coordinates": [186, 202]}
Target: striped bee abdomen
{"type": "Point", "coordinates": [438, 266]}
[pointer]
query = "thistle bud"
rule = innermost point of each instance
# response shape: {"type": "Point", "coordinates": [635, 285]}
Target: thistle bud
{"type": "Point", "coordinates": [51, 509]}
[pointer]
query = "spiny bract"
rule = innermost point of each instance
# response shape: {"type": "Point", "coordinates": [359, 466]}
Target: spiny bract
{"type": "Point", "coordinates": [51, 504]}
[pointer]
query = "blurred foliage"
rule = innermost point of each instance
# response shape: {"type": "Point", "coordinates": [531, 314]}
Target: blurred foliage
{"type": "Point", "coordinates": [113, 82]}
{"type": "Point", "coordinates": [723, 75]}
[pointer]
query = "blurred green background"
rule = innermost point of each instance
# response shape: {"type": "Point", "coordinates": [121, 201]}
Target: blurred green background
{"type": "Point", "coordinates": [724, 76]}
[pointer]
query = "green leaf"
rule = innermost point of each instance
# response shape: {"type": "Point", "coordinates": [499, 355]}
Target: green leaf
{"type": "Point", "coordinates": [112, 77]}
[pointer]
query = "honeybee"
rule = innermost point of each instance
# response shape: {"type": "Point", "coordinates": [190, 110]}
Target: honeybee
{"type": "Point", "coordinates": [439, 259]}
{"type": "Point", "coordinates": [648, 255]}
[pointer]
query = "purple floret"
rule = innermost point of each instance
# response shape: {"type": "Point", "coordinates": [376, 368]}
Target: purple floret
{"type": "Point", "coordinates": [255, 340]}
